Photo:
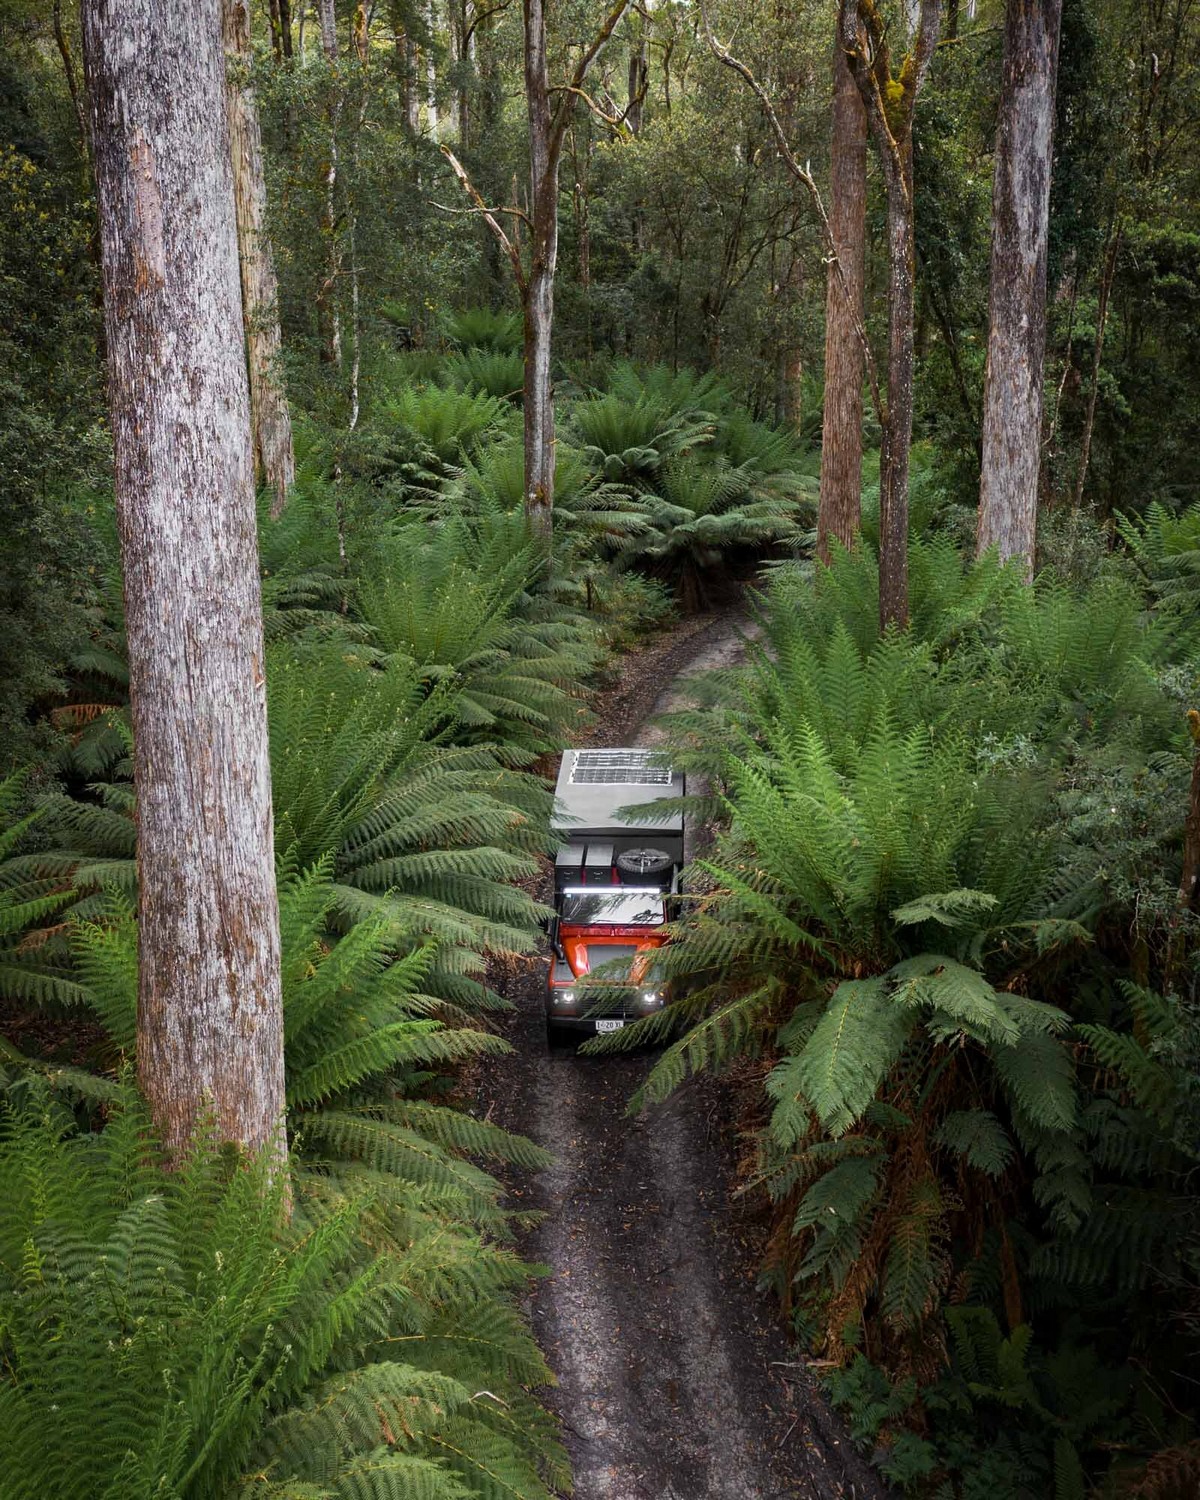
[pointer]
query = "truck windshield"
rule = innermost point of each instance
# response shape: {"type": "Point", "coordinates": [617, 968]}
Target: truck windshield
{"type": "Point", "coordinates": [615, 907]}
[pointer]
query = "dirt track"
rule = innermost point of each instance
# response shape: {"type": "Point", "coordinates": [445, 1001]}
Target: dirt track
{"type": "Point", "coordinates": [675, 1381]}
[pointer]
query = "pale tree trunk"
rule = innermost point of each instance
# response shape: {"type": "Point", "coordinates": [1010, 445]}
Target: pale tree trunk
{"type": "Point", "coordinates": [210, 1020]}
{"type": "Point", "coordinates": [1012, 392]}
{"type": "Point", "coordinates": [270, 421]}
{"type": "Point", "coordinates": [890, 102]}
{"type": "Point", "coordinates": [539, 290]}
{"type": "Point", "coordinates": [431, 106]}
{"type": "Point", "coordinates": [412, 103]}
{"type": "Point", "coordinates": [466, 60]}
{"type": "Point", "coordinates": [838, 511]}
{"type": "Point", "coordinates": [328, 311]}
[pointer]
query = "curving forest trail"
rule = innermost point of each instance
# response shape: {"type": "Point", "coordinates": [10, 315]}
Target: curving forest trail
{"type": "Point", "coordinates": [675, 1382]}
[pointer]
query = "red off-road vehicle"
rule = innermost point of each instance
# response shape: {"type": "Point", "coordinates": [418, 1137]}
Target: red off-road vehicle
{"type": "Point", "coordinates": [613, 879]}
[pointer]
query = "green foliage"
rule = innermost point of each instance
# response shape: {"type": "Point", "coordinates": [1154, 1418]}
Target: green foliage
{"type": "Point", "coordinates": [703, 514]}
{"type": "Point", "coordinates": [459, 606]}
{"type": "Point", "coordinates": [486, 372]}
{"type": "Point", "coordinates": [361, 1035]}
{"type": "Point", "coordinates": [170, 1332]}
{"type": "Point", "coordinates": [1007, 1417]}
{"type": "Point", "coordinates": [481, 328]}
{"type": "Point", "coordinates": [908, 926]}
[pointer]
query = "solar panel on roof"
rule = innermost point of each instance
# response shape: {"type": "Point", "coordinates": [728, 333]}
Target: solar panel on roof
{"type": "Point", "coordinates": [618, 768]}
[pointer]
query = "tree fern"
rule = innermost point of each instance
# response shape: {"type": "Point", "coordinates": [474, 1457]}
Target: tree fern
{"type": "Point", "coordinates": [357, 1022]}
{"type": "Point", "coordinates": [168, 1333]}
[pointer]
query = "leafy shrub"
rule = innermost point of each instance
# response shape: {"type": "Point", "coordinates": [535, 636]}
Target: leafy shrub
{"type": "Point", "coordinates": [431, 431]}
{"type": "Point", "coordinates": [626, 442]}
{"type": "Point", "coordinates": [361, 1033]}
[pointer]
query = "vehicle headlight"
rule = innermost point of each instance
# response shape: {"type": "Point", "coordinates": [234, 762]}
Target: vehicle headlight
{"type": "Point", "coordinates": [651, 997]}
{"type": "Point", "coordinates": [564, 997]}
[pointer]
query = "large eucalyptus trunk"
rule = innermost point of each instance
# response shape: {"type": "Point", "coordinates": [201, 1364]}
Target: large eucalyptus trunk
{"type": "Point", "coordinates": [838, 512]}
{"type": "Point", "coordinates": [1012, 392]}
{"type": "Point", "coordinates": [270, 420]}
{"type": "Point", "coordinates": [544, 155]}
{"type": "Point", "coordinates": [210, 1021]}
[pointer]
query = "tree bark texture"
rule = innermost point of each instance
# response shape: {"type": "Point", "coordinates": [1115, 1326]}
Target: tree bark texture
{"type": "Point", "coordinates": [210, 1022]}
{"type": "Point", "coordinates": [1012, 392]}
{"type": "Point", "coordinates": [1107, 276]}
{"type": "Point", "coordinates": [890, 103]}
{"type": "Point", "coordinates": [639, 82]}
{"type": "Point", "coordinates": [431, 104]}
{"type": "Point", "coordinates": [328, 311]}
{"type": "Point", "coordinates": [270, 420]}
{"type": "Point", "coordinates": [838, 511]}
{"type": "Point", "coordinates": [896, 444]}
{"type": "Point", "coordinates": [544, 156]}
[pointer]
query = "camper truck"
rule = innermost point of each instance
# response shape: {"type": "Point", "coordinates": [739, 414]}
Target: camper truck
{"type": "Point", "coordinates": [619, 816]}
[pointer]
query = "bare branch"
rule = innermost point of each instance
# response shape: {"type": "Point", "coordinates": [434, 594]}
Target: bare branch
{"type": "Point", "coordinates": [489, 215]}
{"type": "Point", "coordinates": [615, 121]}
{"type": "Point", "coordinates": [484, 15]}
{"type": "Point", "coordinates": [804, 176]}
{"type": "Point", "coordinates": [512, 213]}
{"type": "Point", "coordinates": [566, 104]}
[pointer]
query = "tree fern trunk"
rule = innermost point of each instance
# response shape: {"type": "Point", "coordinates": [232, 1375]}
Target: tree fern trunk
{"type": "Point", "coordinates": [210, 1024]}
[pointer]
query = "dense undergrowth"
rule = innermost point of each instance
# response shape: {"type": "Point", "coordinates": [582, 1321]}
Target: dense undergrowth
{"type": "Point", "coordinates": [942, 943]}
{"type": "Point", "coordinates": [422, 653]}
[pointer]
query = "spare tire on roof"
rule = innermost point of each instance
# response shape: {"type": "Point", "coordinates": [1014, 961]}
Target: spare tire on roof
{"type": "Point", "coordinates": [644, 864]}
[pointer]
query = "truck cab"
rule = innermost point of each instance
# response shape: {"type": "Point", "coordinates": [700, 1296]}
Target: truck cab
{"type": "Point", "coordinates": [619, 816]}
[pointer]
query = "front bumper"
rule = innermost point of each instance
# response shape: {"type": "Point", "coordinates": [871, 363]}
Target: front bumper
{"type": "Point", "coordinates": [591, 1008]}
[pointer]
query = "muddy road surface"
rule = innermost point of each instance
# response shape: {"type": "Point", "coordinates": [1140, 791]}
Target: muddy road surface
{"type": "Point", "coordinates": [675, 1381]}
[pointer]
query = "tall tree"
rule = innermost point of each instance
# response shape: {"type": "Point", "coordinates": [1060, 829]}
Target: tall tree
{"type": "Point", "coordinates": [838, 511]}
{"type": "Point", "coordinates": [890, 102]}
{"type": "Point", "coordinates": [210, 1020]}
{"type": "Point", "coordinates": [549, 112]}
{"type": "Point", "coordinates": [270, 420]}
{"type": "Point", "coordinates": [844, 226]}
{"type": "Point", "coordinates": [1012, 392]}
{"type": "Point", "coordinates": [328, 312]}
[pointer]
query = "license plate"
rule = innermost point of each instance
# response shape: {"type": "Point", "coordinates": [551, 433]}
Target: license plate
{"type": "Point", "coordinates": [609, 1025]}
